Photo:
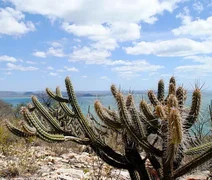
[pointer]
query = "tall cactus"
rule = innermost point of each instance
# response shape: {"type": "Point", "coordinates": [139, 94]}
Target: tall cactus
{"type": "Point", "coordinates": [164, 118]}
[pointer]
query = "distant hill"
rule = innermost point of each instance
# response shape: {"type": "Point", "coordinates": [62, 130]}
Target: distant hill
{"type": "Point", "coordinates": [8, 94]}
{"type": "Point", "coordinates": [28, 93]}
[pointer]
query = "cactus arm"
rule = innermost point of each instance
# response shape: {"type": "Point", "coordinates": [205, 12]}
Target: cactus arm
{"type": "Point", "coordinates": [28, 129]}
{"type": "Point", "coordinates": [113, 114]}
{"type": "Point", "coordinates": [41, 132]}
{"type": "Point", "coordinates": [147, 115]}
{"type": "Point", "coordinates": [33, 114]}
{"type": "Point", "coordinates": [17, 131]}
{"type": "Point", "coordinates": [172, 88]}
{"type": "Point", "coordinates": [46, 114]}
{"type": "Point", "coordinates": [198, 149]}
{"type": "Point", "coordinates": [63, 105]}
{"type": "Point", "coordinates": [161, 90]}
{"type": "Point", "coordinates": [153, 99]}
{"type": "Point", "coordinates": [180, 93]}
{"type": "Point", "coordinates": [104, 156]}
{"type": "Point", "coordinates": [56, 97]}
{"type": "Point", "coordinates": [52, 137]}
{"type": "Point", "coordinates": [114, 91]}
{"type": "Point", "coordinates": [87, 129]}
{"type": "Point", "coordinates": [137, 124]}
{"type": "Point", "coordinates": [146, 110]}
{"type": "Point", "coordinates": [193, 164]}
{"type": "Point", "coordinates": [195, 109]}
{"type": "Point", "coordinates": [92, 118]}
{"type": "Point", "coordinates": [106, 117]}
{"type": "Point", "coordinates": [125, 120]}
{"type": "Point", "coordinates": [175, 127]}
{"type": "Point", "coordinates": [81, 118]}
{"type": "Point", "coordinates": [172, 80]}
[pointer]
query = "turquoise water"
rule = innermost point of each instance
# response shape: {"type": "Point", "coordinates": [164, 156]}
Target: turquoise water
{"type": "Point", "coordinates": [16, 100]}
{"type": "Point", "coordinates": [108, 100]}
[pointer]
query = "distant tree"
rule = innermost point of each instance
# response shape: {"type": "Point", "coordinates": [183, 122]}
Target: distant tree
{"type": "Point", "coordinates": [45, 99]}
{"type": "Point", "coordinates": [17, 109]}
{"type": "Point", "coordinates": [5, 109]}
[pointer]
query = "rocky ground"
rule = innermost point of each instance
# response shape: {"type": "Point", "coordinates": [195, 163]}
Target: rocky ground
{"type": "Point", "coordinates": [40, 162]}
{"type": "Point", "coordinates": [56, 162]}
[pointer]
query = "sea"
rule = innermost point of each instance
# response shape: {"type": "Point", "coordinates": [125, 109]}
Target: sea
{"type": "Point", "coordinates": [108, 100]}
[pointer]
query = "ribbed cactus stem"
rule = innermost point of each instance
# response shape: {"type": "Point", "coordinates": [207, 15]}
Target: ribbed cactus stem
{"type": "Point", "coordinates": [160, 112]}
{"type": "Point", "coordinates": [28, 129]}
{"type": "Point", "coordinates": [172, 102]}
{"type": "Point", "coordinates": [125, 119]}
{"type": "Point", "coordinates": [172, 80]}
{"type": "Point", "coordinates": [63, 105]}
{"type": "Point", "coordinates": [175, 127]}
{"type": "Point", "coordinates": [161, 90]}
{"type": "Point", "coordinates": [114, 91]}
{"type": "Point", "coordinates": [129, 101]}
{"type": "Point", "coordinates": [81, 118]}
{"type": "Point", "coordinates": [42, 133]}
{"type": "Point", "coordinates": [17, 131]}
{"type": "Point", "coordinates": [137, 124]}
{"type": "Point", "coordinates": [196, 162]}
{"type": "Point", "coordinates": [180, 97]}
{"type": "Point", "coordinates": [153, 99]}
{"type": "Point", "coordinates": [146, 110]}
{"type": "Point", "coordinates": [172, 89]}
{"type": "Point", "coordinates": [45, 113]}
{"type": "Point", "coordinates": [55, 97]}
{"type": "Point", "coordinates": [105, 117]}
{"type": "Point", "coordinates": [113, 114]}
{"type": "Point", "coordinates": [195, 108]}
{"type": "Point", "coordinates": [198, 149]}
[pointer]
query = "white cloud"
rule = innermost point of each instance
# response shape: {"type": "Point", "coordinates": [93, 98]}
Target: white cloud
{"type": "Point", "coordinates": [198, 6]}
{"type": "Point", "coordinates": [84, 77]}
{"type": "Point", "coordinates": [7, 58]}
{"type": "Point", "coordinates": [39, 54]}
{"type": "Point", "coordinates": [56, 44]}
{"type": "Point", "coordinates": [12, 22]}
{"type": "Point", "coordinates": [120, 31]}
{"type": "Point", "coordinates": [94, 30]}
{"type": "Point", "coordinates": [50, 68]}
{"type": "Point", "coordinates": [11, 66]}
{"type": "Point", "coordinates": [125, 31]}
{"type": "Point", "coordinates": [30, 62]}
{"type": "Point", "coordinates": [52, 51]}
{"type": "Point", "coordinates": [89, 56]}
{"type": "Point", "coordinates": [60, 70]}
{"type": "Point", "coordinates": [72, 69]}
{"type": "Point", "coordinates": [104, 78]}
{"type": "Point", "coordinates": [199, 27]}
{"type": "Point", "coordinates": [134, 68]}
{"type": "Point", "coordinates": [200, 59]}
{"type": "Point", "coordinates": [94, 56]}
{"type": "Point", "coordinates": [57, 52]}
{"type": "Point", "coordinates": [171, 48]}
{"type": "Point", "coordinates": [97, 12]}
{"type": "Point", "coordinates": [53, 74]}
{"type": "Point", "coordinates": [104, 22]}
{"type": "Point", "coordinates": [200, 66]}
{"type": "Point", "coordinates": [105, 44]}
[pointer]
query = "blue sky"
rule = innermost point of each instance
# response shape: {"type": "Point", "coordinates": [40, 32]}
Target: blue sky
{"type": "Point", "coordinates": [131, 43]}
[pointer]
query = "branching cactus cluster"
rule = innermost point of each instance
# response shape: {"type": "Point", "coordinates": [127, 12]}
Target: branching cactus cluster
{"type": "Point", "coordinates": [154, 137]}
